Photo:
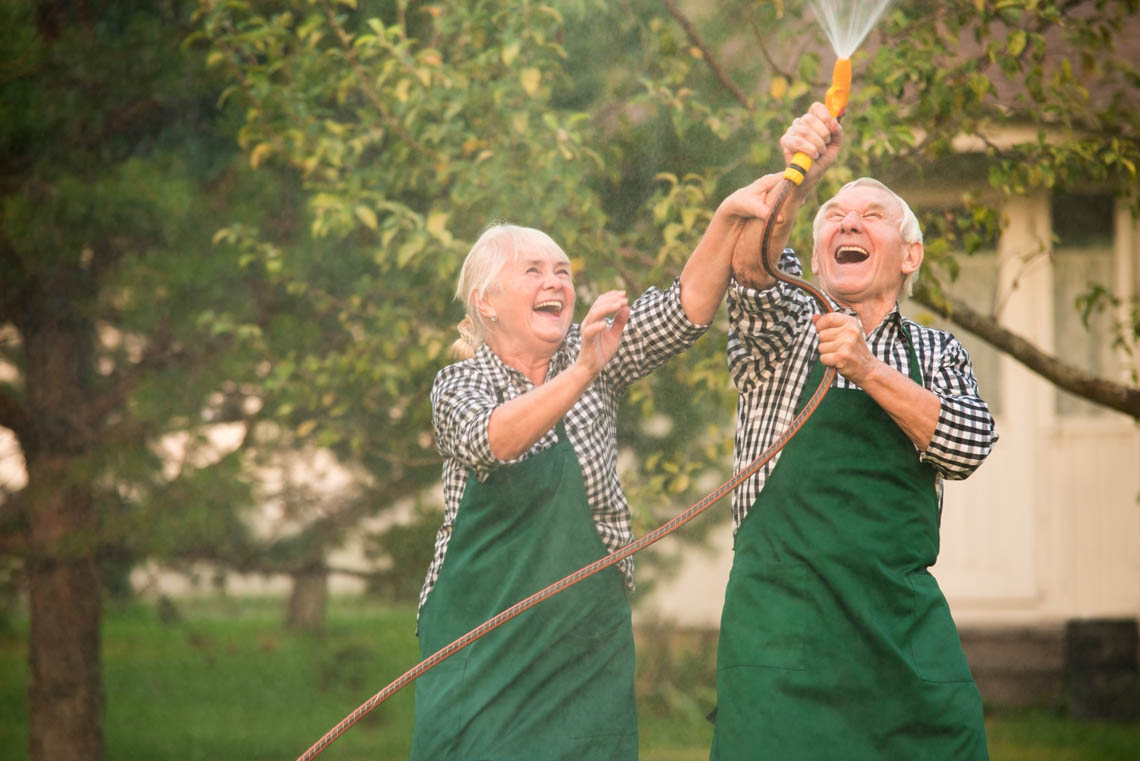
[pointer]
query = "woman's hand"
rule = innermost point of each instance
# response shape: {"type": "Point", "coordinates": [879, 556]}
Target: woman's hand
{"type": "Point", "coordinates": [751, 202]}
{"type": "Point", "coordinates": [750, 208]}
{"type": "Point", "coordinates": [600, 338]}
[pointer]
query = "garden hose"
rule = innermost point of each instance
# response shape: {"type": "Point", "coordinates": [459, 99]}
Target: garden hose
{"type": "Point", "coordinates": [841, 91]}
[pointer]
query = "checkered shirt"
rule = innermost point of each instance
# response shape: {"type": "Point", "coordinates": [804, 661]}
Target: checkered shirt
{"type": "Point", "coordinates": [465, 394]}
{"type": "Point", "coordinates": [772, 347]}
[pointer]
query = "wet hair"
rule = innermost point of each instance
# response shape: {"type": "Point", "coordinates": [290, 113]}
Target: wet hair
{"type": "Point", "coordinates": [496, 245]}
{"type": "Point", "coordinates": [909, 228]}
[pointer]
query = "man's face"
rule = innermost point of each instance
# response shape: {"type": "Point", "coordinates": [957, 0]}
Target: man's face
{"type": "Point", "coordinates": [859, 255]}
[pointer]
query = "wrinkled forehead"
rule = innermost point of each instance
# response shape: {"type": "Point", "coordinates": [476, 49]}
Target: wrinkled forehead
{"type": "Point", "coordinates": [541, 256]}
{"type": "Point", "coordinates": [533, 246]}
{"type": "Point", "coordinates": [864, 199]}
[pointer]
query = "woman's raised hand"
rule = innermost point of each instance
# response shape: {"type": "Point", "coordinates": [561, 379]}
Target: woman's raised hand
{"type": "Point", "coordinates": [601, 336]}
{"type": "Point", "coordinates": [751, 202]}
{"type": "Point", "coordinates": [749, 209]}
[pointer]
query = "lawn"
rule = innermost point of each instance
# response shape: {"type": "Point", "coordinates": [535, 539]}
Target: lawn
{"type": "Point", "coordinates": [224, 681]}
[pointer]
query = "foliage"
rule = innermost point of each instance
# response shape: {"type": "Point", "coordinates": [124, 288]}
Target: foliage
{"type": "Point", "coordinates": [617, 129]}
{"type": "Point", "coordinates": [114, 171]}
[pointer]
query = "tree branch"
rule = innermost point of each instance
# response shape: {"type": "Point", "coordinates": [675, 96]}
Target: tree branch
{"type": "Point", "coordinates": [1115, 396]}
{"type": "Point", "coordinates": [707, 54]}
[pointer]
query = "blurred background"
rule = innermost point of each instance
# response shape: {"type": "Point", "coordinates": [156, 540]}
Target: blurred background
{"type": "Point", "coordinates": [229, 236]}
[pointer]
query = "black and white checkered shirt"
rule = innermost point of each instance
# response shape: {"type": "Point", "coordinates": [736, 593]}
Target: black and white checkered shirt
{"type": "Point", "coordinates": [465, 394]}
{"type": "Point", "coordinates": [772, 347]}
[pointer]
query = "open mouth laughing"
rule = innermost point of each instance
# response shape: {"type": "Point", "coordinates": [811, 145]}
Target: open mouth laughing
{"type": "Point", "coordinates": [550, 306]}
{"type": "Point", "coordinates": [850, 254]}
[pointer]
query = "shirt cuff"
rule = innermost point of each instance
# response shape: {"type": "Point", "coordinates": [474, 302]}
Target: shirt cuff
{"type": "Point", "coordinates": [757, 300]}
{"type": "Point", "coordinates": [480, 444]}
{"type": "Point", "coordinates": [679, 322]}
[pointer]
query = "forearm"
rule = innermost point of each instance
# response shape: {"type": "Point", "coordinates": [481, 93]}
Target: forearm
{"type": "Point", "coordinates": [913, 408]}
{"type": "Point", "coordinates": [747, 266]}
{"type": "Point", "coordinates": [705, 277]}
{"type": "Point", "coordinates": [515, 426]}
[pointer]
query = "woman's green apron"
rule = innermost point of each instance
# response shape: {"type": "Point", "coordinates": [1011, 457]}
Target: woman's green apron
{"type": "Point", "coordinates": [557, 681]}
{"type": "Point", "coordinates": [836, 642]}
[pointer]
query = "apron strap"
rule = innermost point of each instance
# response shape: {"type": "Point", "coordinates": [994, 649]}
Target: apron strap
{"type": "Point", "coordinates": [912, 357]}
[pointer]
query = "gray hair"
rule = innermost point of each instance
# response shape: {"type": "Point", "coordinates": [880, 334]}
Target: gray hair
{"type": "Point", "coordinates": [909, 228]}
{"type": "Point", "coordinates": [496, 245]}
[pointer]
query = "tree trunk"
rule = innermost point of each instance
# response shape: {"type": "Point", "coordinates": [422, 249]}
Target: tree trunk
{"type": "Point", "coordinates": [65, 699]}
{"type": "Point", "coordinates": [309, 599]}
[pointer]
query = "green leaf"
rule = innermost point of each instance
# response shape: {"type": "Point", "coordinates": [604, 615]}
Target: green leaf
{"type": "Point", "coordinates": [530, 78]}
{"type": "Point", "coordinates": [1015, 43]}
{"type": "Point", "coordinates": [367, 216]}
{"type": "Point", "coordinates": [509, 53]}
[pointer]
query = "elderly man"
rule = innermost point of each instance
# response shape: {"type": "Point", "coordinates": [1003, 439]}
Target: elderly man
{"type": "Point", "coordinates": [836, 642]}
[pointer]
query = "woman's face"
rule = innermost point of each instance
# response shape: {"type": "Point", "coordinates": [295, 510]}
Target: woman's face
{"type": "Point", "coordinates": [532, 303]}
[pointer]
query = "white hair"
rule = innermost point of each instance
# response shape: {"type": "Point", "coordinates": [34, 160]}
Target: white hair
{"type": "Point", "coordinates": [909, 228]}
{"type": "Point", "coordinates": [496, 245]}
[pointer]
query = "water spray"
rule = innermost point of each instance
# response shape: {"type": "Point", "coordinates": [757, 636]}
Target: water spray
{"type": "Point", "coordinates": [846, 24]}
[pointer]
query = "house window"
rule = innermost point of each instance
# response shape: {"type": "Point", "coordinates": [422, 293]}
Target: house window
{"type": "Point", "coordinates": [1083, 268]}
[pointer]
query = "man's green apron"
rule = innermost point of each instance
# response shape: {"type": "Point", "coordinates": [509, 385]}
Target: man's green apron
{"type": "Point", "coordinates": [556, 682]}
{"type": "Point", "coordinates": [836, 642]}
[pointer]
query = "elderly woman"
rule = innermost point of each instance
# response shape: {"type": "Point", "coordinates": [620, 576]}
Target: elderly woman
{"type": "Point", "coordinates": [528, 431]}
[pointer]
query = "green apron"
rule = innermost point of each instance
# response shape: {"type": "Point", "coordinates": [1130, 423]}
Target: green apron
{"type": "Point", "coordinates": [554, 683]}
{"type": "Point", "coordinates": [836, 642]}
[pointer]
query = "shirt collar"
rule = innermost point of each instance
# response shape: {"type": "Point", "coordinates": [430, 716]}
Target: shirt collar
{"type": "Point", "coordinates": [893, 318]}
{"type": "Point", "coordinates": [503, 375]}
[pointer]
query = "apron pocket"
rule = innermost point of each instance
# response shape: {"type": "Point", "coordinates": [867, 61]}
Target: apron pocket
{"type": "Point", "coordinates": [764, 617]}
{"type": "Point", "coordinates": [934, 642]}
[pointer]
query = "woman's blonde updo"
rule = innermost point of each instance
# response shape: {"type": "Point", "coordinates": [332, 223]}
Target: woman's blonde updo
{"type": "Point", "coordinates": [498, 244]}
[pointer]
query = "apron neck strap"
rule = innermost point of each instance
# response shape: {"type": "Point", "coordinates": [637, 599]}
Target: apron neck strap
{"type": "Point", "coordinates": [912, 357]}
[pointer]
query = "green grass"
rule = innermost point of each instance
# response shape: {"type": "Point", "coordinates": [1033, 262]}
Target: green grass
{"type": "Point", "coordinates": [1047, 735]}
{"type": "Point", "coordinates": [227, 682]}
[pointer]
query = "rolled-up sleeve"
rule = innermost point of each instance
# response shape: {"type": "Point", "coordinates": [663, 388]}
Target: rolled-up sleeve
{"type": "Point", "coordinates": [461, 403]}
{"type": "Point", "coordinates": [965, 433]}
{"type": "Point", "coordinates": [763, 325]}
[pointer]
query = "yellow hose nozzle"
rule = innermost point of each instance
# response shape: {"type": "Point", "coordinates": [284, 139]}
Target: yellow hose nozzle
{"type": "Point", "coordinates": [836, 102]}
{"type": "Point", "coordinates": [840, 90]}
